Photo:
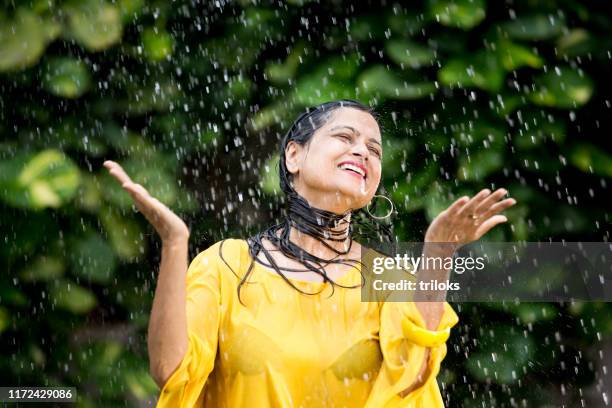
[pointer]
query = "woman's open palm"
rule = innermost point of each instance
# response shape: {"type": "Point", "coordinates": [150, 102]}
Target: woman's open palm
{"type": "Point", "coordinates": [167, 224]}
{"type": "Point", "coordinates": [466, 220]}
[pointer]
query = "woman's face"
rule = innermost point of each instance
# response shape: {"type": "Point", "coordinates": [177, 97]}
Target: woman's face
{"type": "Point", "coordinates": [340, 168]}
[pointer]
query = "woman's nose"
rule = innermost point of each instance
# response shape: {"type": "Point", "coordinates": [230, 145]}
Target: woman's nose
{"type": "Point", "coordinates": [360, 149]}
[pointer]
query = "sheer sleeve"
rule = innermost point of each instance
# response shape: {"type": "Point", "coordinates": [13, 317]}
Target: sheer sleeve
{"type": "Point", "coordinates": [203, 307]}
{"type": "Point", "coordinates": [404, 339]}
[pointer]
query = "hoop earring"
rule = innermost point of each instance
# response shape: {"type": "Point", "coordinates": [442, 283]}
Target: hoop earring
{"type": "Point", "coordinates": [378, 217]}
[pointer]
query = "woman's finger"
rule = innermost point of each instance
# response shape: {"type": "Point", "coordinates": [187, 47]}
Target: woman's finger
{"type": "Point", "coordinates": [488, 224]}
{"type": "Point", "coordinates": [141, 196]}
{"type": "Point", "coordinates": [468, 208]}
{"type": "Point", "coordinates": [167, 224]}
{"type": "Point", "coordinates": [490, 200]}
{"type": "Point", "coordinates": [141, 190]}
{"type": "Point", "coordinates": [117, 171]}
{"type": "Point", "coordinates": [498, 207]}
{"type": "Point", "coordinates": [454, 207]}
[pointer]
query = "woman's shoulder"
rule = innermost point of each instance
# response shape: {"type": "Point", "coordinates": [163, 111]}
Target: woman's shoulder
{"type": "Point", "coordinates": [225, 245]}
{"type": "Point", "coordinates": [226, 254]}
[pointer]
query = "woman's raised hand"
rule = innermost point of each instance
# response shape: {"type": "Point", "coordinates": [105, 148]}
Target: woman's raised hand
{"type": "Point", "coordinates": [467, 220]}
{"type": "Point", "coordinates": [168, 225]}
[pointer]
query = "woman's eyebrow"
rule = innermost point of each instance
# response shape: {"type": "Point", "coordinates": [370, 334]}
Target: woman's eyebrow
{"type": "Point", "coordinates": [345, 126]}
{"type": "Point", "coordinates": [355, 131]}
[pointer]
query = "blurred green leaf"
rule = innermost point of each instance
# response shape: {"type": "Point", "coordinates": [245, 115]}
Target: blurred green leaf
{"type": "Point", "coordinates": [409, 53]}
{"type": "Point", "coordinates": [43, 268]}
{"type": "Point", "coordinates": [367, 28]}
{"type": "Point", "coordinates": [482, 70]}
{"type": "Point", "coordinates": [479, 165]}
{"type": "Point", "coordinates": [528, 313]}
{"type": "Point", "coordinates": [481, 134]}
{"type": "Point", "coordinates": [575, 43]}
{"type": "Point", "coordinates": [562, 87]}
{"type": "Point", "coordinates": [66, 77]}
{"type": "Point", "coordinates": [537, 128]}
{"type": "Point", "coordinates": [463, 14]}
{"type": "Point", "coordinates": [100, 359]}
{"type": "Point", "coordinates": [95, 24]}
{"type": "Point", "coordinates": [160, 96]}
{"type": "Point", "coordinates": [281, 73]}
{"type": "Point", "coordinates": [514, 56]}
{"type": "Point", "coordinates": [273, 113]}
{"type": "Point", "coordinates": [45, 179]}
{"type": "Point", "coordinates": [89, 195]}
{"type": "Point", "coordinates": [12, 296]}
{"type": "Point", "coordinates": [596, 316]}
{"type": "Point", "coordinates": [406, 22]}
{"type": "Point", "coordinates": [27, 233]}
{"type": "Point", "coordinates": [437, 199]}
{"type": "Point", "coordinates": [501, 355]}
{"type": "Point", "coordinates": [313, 91]}
{"type": "Point", "coordinates": [503, 104]}
{"type": "Point", "coordinates": [410, 190]}
{"type": "Point", "coordinates": [590, 158]}
{"type": "Point", "coordinates": [270, 179]}
{"type": "Point", "coordinates": [379, 80]}
{"type": "Point", "coordinates": [157, 44]}
{"type": "Point", "coordinates": [5, 319]}
{"type": "Point", "coordinates": [69, 296]}
{"type": "Point", "coordinates": [92, 259]}
{"type": "Point", "coordinates": [23, 39]}
{"type": "Point", "coordinates": [124, 232]}
{"type": "Point", "coordinates": [534, 27]}
{"type": "Point", "coordinates": [130, 9]}
{"type": "Point", "coordinates": [536, 312]}
{"type": "Point", "coordinates": [328, 81]}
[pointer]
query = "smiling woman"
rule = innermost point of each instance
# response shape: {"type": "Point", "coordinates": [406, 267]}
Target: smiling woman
{"type": "Point", "coordinates": [276, 320]}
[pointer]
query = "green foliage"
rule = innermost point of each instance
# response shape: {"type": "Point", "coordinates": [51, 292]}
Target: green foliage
{"type": "Point", "coordinates": [534, 27]}
{"type": "Point", "coordinates": [192, 101]}
{"type": "Point", "coordinates": [157, 44]}
{"type": "Point", "coordinates": [67, 77]}
{"type": "Point", "coordinates": [562, 87]}
{"type": "Point", "coordinates": [463, 14]}
{"type": "Point", "coordinates": [23, 38]}
{"type": "Point", "coordinates": [45, 179]}
{"type": "Point", "coordinates": [501, 355]}
{"type": "Point", "coordinates": [95, 24]}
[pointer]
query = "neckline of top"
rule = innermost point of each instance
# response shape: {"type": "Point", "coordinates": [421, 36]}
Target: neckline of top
{"type": "Point", "coordinates": [274, 274]}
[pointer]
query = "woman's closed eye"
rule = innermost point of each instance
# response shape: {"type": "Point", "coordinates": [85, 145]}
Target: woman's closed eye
{"type": "Point", "coordinates": [349, 138]}
{"type": "Point", "coordinates": [345, 136]}
{"type": "Point", "coordinates": [376, 152]}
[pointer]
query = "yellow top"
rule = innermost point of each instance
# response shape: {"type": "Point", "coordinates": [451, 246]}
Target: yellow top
{"type": "Point", "coordinates": [286, 349]}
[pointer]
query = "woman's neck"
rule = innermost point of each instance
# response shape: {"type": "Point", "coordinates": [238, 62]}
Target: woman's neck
{"type": "Point", "coordinates": [314, 246]}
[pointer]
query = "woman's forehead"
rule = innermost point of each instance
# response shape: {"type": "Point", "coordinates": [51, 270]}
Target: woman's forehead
{"type": "Point", "coordinates": [354, 120]}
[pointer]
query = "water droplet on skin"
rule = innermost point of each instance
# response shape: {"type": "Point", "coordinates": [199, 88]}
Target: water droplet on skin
{"type": "Point", "coordinates": [362, 188]}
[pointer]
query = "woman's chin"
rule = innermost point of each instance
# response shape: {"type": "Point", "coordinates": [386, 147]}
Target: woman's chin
{"type": "Point", "coordinates": [356, 198]}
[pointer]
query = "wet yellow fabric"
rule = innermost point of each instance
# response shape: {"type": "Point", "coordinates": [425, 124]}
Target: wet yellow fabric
{"type": "Point", "coordinates": [286, 349]}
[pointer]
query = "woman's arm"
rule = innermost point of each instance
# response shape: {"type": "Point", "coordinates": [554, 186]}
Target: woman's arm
{"type": "Point", "coordinates": [430, 303]}
{"type": "Point", "coordinates": [465, 221]}
{"type": "Point", "coordinates": [167, 335]}
{"type": "Point", "coordinates": [167, 338]}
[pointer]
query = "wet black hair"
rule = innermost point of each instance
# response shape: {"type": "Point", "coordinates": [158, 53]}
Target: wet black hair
{"type": "Point", "coordinates": [315, 222]}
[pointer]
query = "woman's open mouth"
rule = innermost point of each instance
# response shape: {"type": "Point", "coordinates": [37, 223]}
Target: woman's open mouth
{"type": "Point", "coordinates": [354, 169]}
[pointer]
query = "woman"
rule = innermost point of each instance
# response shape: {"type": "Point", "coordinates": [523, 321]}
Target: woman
{"type": "Point", "coordinates": [276, 320]}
